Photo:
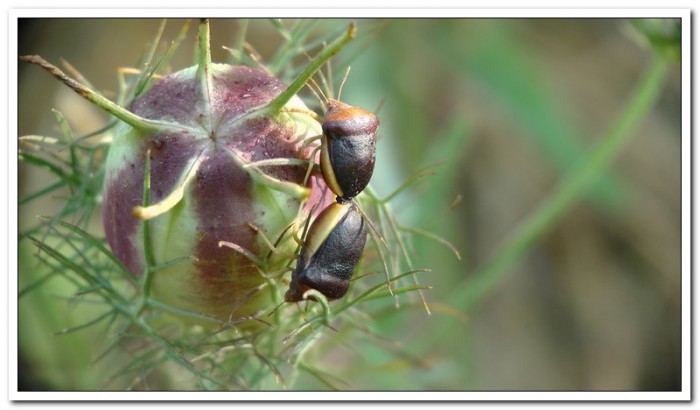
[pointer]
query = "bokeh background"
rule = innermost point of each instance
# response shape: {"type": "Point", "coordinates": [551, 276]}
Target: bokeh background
{"type": "Point", "coordinates": [507, 106]}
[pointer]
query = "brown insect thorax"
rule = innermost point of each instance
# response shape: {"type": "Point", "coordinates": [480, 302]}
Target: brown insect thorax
{"type": "Point", "coordinates": [343, 119]}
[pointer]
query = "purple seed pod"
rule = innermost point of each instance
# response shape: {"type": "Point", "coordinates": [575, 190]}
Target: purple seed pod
{"type": "Point", "coordinates": [208, 194]}
{"type": "Point", "coordinates": [230, 178]}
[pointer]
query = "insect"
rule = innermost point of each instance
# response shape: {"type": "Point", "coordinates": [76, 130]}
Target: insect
{"type": "Point", "coordinates": [333, 246]}
{"type": "Point", "coordinates": [336, 239]}
{"type": "Point", "coordinates": [347, 148]}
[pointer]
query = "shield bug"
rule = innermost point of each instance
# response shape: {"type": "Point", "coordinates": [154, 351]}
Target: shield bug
{"type": "Point", "coordinates": [332, 247]}
{"type": "Point", "coordinates": [347, 145]}
{"type": "Point", "coordinates": [348, 148]}
{"type": "Point", "coordinates": [336, 239]}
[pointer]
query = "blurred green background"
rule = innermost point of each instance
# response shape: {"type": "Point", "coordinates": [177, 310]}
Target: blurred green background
{"type": "Point", "coordinates": [509, 106]}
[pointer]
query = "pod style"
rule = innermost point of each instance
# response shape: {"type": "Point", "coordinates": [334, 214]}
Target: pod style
{"type": "Point", "coordinates": [333, 246]}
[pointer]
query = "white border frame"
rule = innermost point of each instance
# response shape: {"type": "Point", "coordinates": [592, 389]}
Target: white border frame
{"type": "Point", "coordinates": [11, 228]}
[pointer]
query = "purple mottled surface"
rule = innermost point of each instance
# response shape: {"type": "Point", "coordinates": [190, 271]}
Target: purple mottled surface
{"type": "Point", "coordinates": [121, 193]}
{"type": "Point", "coordinates": [241, 88]}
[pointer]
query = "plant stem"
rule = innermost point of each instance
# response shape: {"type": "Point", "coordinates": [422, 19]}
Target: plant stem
{"type": "Point", "coordinates": [204, 67]}
{"type": "Point", "coordinates": [148, 252]}
{"type": "Point", "coordinates": [296, 37]}
{"type": "Point", "coordinates": [325, 54]}
{"type": "Point", "coordinates": [240, 40]}
{"type": "Point", "coordinates": [137, 122]}
{"type": "Point", "coordinates": [472, 290]}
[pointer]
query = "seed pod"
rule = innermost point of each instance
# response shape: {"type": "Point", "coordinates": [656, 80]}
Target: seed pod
{"type": "Point", "coordinates": [348, 148]}
{"type": "Point", "coordinates": [333, 246]}
{"type": "Point", "coordinates": [204, 163]}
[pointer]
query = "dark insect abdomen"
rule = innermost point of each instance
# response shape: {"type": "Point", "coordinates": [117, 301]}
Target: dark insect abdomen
{"type": "Point", "coordinates": [329, 269]}
{"type": "Point", "coordinates": [352, 158]}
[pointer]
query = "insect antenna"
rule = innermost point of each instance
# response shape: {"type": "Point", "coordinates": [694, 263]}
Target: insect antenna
{"type": "Point", "coordinates": [318, 91]}
{"type": "Point", "coordinates": [379, 106]}
{"type": "Point", "coordinates": [327, 80]}
{"type": "Point", "coordinates": [342, 83]}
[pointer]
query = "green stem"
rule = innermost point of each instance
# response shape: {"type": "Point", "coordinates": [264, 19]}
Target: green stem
{"type": "Point", "coordinates": [323, 318]}
{"type": "Point", "coordinates": [169, 350]}
{"type": "Point", "coordinates": [204, 69]}
{"type": "Point", "coordinates": [293, 42]}
{"type": "Point", "coordinates": [240, 40]}
{"type": "Point", "coordinates": [42, 192]}
{"type": "Point", "coordinates": [125, 115]}
{"type": "Point", "coordinates": [148, 68]}
{"type": "Point", "coordinates": [320, 298]}
{"type": "Point", "coordinates": [204, 62]}
{"type": "Point", "coordinates": [325, 55]}
{"type": "Point", "coordinates": [471, 291]}
{"type": "Point", "coordinates": [148, 251]}
{"type": "Point", "coordinates": [68, 135]}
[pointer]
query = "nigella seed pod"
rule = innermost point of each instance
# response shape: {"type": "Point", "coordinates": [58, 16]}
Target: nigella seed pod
{"type": "Point", "coordinates": [208, 169]}
{"type": "Point", "coordinates": [202, 168]}
{"type": "Point", "coordinates": [333, 246]}
{"type": "Point", "coordinates": [348, 148]}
